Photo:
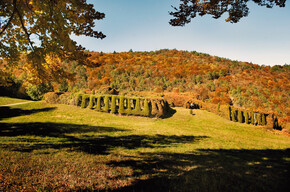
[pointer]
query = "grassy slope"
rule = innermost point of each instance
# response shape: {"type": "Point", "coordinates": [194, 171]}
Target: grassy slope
{"type": "Point", "coordinates": [8, 100]}
{"type": "Point", "coordinates": [59, 147]}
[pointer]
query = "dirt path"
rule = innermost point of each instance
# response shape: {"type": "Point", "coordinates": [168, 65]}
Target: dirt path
{"type": "Point", "coordinates": [16, 104]}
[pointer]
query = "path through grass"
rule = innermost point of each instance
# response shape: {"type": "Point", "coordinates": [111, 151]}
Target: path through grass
{"type": "Point", "coordinates": [8, 100]}
{"type": "Point", "coordinates": [60, 147]}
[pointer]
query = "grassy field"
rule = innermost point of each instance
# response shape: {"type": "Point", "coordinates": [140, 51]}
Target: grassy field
{"type": "Point", "coordinates": [65, 148]}
{"type": "Point", "coordinates": [8, 100]}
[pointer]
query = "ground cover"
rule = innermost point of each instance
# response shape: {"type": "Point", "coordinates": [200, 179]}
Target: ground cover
{"type": "Point", "coordinates": [63, 148]}
{"type": "Point", "coordinates": [8, 100]}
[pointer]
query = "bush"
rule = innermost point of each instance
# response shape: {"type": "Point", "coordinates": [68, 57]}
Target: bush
{"type": "Point", "coordinates": [113, 105]}
{"type": "Point", "coordinates": [121, 106]}
{"type": "Point", "coordinates": [137, 110]}
{"type": "Point", "coordinates": [129, 109]}
{"type": "Point", "coordinates": [92, 102]}
{"type": "Point", "coordinates": [36, 92]}
{"type": "Point", "coordinates": [264, 120]}
{"type": "Point", "coordinates": [240, 116]}
{"type": "Point", "coordinates": [190, 111]}
{"type": "Point", "coordinates": [252, 118]}
{"type": "Point", "coordinates": [246, 117]}
{"type": "Point", "coordinates": [234, 115]}
{"type": "Point", "coordinates": [78, 99]}
{"type": "Point", "coordinates": [98, 107]}
{"type": "Point", "coordinates": [85, 101]}
{"type": "Point", "coordinates": [146, 110]}
{"type": "Point", "coordinates": [106, 101]}
{"type": "Point", "coordinates": [51, 97]}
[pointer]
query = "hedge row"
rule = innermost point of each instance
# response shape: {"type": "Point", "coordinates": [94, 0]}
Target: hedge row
{"type": "Point", "coordinates": [123, 105]}
{"type": "Point", "coordinates": [235, 114]}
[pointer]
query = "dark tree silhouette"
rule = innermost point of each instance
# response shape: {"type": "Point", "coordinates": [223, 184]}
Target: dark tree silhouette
{"type": "Point", "coordinates": [237, 9]}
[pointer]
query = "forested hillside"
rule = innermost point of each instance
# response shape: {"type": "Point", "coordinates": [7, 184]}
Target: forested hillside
{"type": "Point", "coordinates": [208, 78]}
{"type": "Point", "coordinates": [201, 76]}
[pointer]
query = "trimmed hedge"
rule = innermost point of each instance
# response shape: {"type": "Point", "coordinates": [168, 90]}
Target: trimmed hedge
{"type": "Point", "coordinates": [98, 107]}
{"type": "Point", "coordinates": [92, 102]}
{"type": "Point", "coordinates": [146, 110]}
{"type": "Point", "coordinates": [121, 105]}
{"type": "Point", "coordinates": [113, 105]}
{"type": "Point", "coordinates": [106, 101]}
{"type": "Point", "coordinates": [85, 101]}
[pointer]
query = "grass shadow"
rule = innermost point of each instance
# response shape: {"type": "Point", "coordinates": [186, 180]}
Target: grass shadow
{"type": "Point", "coordinates": [170, 112]}
{"type": "Point", "coordinates": [211, 170]}
{"type": "Point", "coordinates": [83, 138]}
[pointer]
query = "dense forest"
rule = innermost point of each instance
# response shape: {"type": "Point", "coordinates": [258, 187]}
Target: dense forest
{"type": "Point", "coordinates": [207, 78]}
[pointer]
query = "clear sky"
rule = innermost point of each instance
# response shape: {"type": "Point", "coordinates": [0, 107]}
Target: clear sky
{"type": "Point", "coordinates": [142, 25]}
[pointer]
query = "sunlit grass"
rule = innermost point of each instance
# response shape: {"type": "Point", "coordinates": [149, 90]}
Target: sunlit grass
{"type": "Point", "coordinates": [61, 147]}
{"type": "Point", "coordinates": [8, 100]}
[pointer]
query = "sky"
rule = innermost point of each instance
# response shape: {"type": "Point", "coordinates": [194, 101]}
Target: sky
{"type": "Point", "coordinates": [142, 25]}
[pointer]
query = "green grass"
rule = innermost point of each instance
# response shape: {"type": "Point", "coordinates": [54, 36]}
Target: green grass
{"type": "Point", "coordinates": [8, 100]}
{"type": "Point", "coordinates": [66, 148]}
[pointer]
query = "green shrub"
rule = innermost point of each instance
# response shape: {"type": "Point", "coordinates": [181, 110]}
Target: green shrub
{"type": "Point", "coordinates": [190, 111]}
{"type": "Point", "coordinates": [252, 118]}
{"type": "Point", "coordinates": [240, 116]}
{"type": "Point", "coordinates": [121, 105]}
{"type": "Point", "coordinates": [36, 92]}
{"type": "Point", "coordinates": [129, 109]}
{"type": "Point", "coordinates": [259, 119]}
{"type": "Point", "coordinates": [137, 110]}
{"type": "Point", "coordinates": [146, 110]}
{"type": "Point", "coordinates": [246, 117]}
{"type": "Point", "coordinates": [106, 101]}
{"type": "Point", "coordinates": [85, 101]}
{"type": "Point", "coordinates": [78, 99]}
{"type": "Point", "coordinates": [92, 102]}
{"type": "Point", "coordinates": [98, 107]}
{"type": "Point", "coordinates": [264, 120]}
{"type": "Point", "coordinates": [113, 105]}
{"type": "Point", "coordinates": [234, 115]}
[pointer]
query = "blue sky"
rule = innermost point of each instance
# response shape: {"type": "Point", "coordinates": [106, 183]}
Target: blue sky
{"type": "Point", "coordinates": [142, 25]}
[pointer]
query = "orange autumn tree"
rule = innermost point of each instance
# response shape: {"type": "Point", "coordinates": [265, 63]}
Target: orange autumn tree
{"type": "Point", "coordinates": [43, 27]}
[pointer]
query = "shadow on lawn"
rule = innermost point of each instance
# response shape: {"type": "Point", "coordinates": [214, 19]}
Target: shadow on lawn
{"type": "Point", "coordinates": [211, 170]}
{"type": "Point", "coordinates": [7, 112]}
{"type": "Point", "coordinates": [84, 140]}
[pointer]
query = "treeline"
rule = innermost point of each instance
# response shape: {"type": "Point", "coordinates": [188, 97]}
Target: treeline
{"type": "Point", "coordinates": [207, 78]}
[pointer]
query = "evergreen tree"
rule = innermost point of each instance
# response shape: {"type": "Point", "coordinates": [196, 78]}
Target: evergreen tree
{"type": "Point", "coordinates": [246, 117]}
{"type": "Point", "coordinates": [146, 110]}
{"type": "Point", "coordinates": [264, 120]}
{"type": "Point", "coordinates": [84, 101]}
{"type": "Point", "coordinates": [240, 116]}
{"type": "Point", "coordinates": [106, 107]}
{"type": "Point", "coordinates": [252, 117]}
{"type": "Point", "coordinates": [91, 103]}
{"type": "Point", "coordinates": [234, 115]}
{"type": "Point", "coordinates": [98, 107]}
{"type": "Point", "coordinates": [121, 105]}
{"type": "Point", "coordinates": [113, 105]}
{"type": "Point", "coordinates": [259, 119]}
{"type": "Point", "coordinates": [78, 99]}
{"type": "Point", "coordinates": [137, 110]}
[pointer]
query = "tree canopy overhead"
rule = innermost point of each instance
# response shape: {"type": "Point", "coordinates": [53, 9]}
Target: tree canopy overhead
{"type": "Point", "coordinates": [43, 28]}
{"type": "Point", "coordinates": [236, 9]}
